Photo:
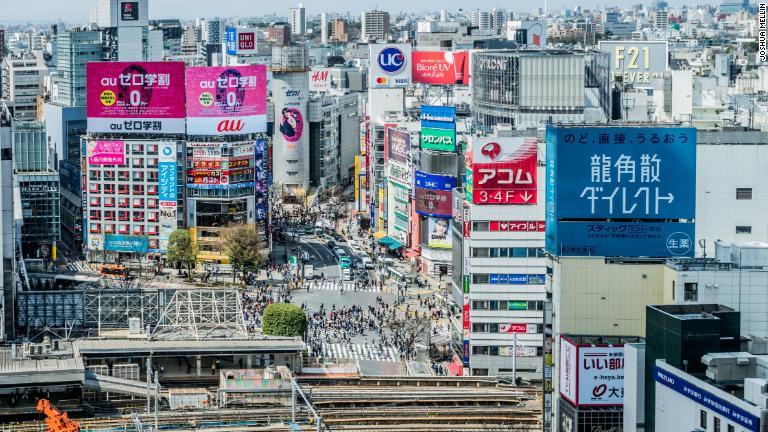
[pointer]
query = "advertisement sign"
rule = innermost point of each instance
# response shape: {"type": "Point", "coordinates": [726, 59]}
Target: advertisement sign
{"type": "Point", "coordinates": [504, 170]}
{"type": "Point", "coordinates": [440, 67]}
{"type": "Point", "coordinates": [636, 62]}
{"type": "Point", "coordinates": [517, 328]}
{"type": "Point", "coordinates": [439, 234]}
{"type": "Point", "coordinates": [320, 79]}
{"type": "Point", "coordinates": [515, 279]}
{"type": "Point", "coordinates": [434, 181]}
{"type": "Point", "coordinates": [129, 11]}
{"type": "Point", "coordinates": [591, 375]}
{"type": "Point", "coordinates": [167, 173]}
{"type": "Point", "coordinates": [438, 139]}
{"type": "Point", "coordinates": [260, 166]}
{"type": "Point", "coordinates": [102, 152]}
{"type": "Point", "coordinates": [400, 174]}
{"type": "Point", "coordinates": [517, 226]}
{"type": "Point", "coordinates": [398, 145]}
{"type": "Point", "coordinates": [290, 119]}
{"type": "Point", "coordinates": [643, 174]}
{"type": "Point", "coordinates": [140, 97]}
{"type": "Point", "coordinates": [241, 41]}
{"type": "Point", "coordinates": [707, 399]}
{"type": "Point", "coordinates": [226, 100]}
{"type": "Point", "coordinates": [126, 243]}
{"type": "Point", "coordinates": [521, 351]}
{"type": "Point", "coordinates": [389, 65]}
{"type": "Point", "coordinates": [433, 194]}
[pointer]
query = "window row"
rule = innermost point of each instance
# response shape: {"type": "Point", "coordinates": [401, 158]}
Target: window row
{"type": "Point", "coordinates": [121, 175]}
{"type": "Point", "coordinates": [506, 328]}
{"type": "Point", "coordinates": [150, 203]}
{"type": "Point", "coordinates": [507, 305]}
{"type": "Point", "coordinates": [514, 252]}
{"type": "Point", "coordinates": [122, 216]}
{"type": "Point", "coordinates": [716, 426]}
{"type": "Point", "coordinates": [122, 189]}
{"type": "Point", "coordinates": [106, 228]}
{"type": "Point", "coordinates": [493, 350]}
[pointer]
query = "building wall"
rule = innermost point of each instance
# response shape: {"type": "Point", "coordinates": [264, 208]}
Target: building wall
{"type": "Point", "coordinates": [726, 161]}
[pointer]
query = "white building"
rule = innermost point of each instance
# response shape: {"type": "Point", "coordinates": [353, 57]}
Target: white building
{"type": "Point", "coordinates": [480, 19]}
{"type": "Point", "coordinates": [298, 20]}
{"type": "Point", "coordinates": [212, 31]}
{"type": "Point", "coordinates": [23, 80]}
{"type": "Point", "coordinates": [499, 277]}
{"type": "Point", "coordinates": [324, 28]}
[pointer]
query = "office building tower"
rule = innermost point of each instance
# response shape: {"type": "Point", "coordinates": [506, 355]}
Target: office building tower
{"type": "Point", "coordinates": [125, 31]}
{"type": "Point", "coordinates": [480, 19]}
{"type": "Point", "coordinates": [375, 26]}
{"type": "Point", "coordinates": [24, 82]}
{"type": "Point", "coordinates": [9, 262]}
{"type": "Point", "coordinates": [661, 19]}
{"type": "Point", "coordinates": [211, 31]}
{"type": "Point", "coordinates": [298, 20]}
{"type": "Point", "coordinates": [498, 18]}
{"type": "Point", "coordinates": [172, 34]}
{"type": "Point", "coordinates": [2, 43]}
{"type": "Point", "coordinates": [339, 30]}
{"type": "Point", "coordinates": [324, 28]}
{"type": "Point", "coordinates": [73, 50]}
{"type": "Point", "coordinates": [279, 33]}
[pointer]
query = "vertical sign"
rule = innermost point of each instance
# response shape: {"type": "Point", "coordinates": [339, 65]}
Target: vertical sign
{"type": "Point", "coordinates": [167, 192]}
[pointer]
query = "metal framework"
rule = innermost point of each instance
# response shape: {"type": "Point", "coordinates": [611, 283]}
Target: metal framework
{"type": "Point", "coordinates": [195, 314]}
{"type": "Point", "coordinates": [112, 308]}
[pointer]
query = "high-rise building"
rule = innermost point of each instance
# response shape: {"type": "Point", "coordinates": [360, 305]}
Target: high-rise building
{"type": "Point", "coordinates": [211, 31]}
{"type": "Point", "coordinates": [480, 19]}
{"type": "Point", "coordinates": [298, 20]}
{"type": "Point", "coordinates": [172, 35]}
{"type": "Point", "coordinates": [24, 82]}
{"type": "Point", "coordinates": [339, 30]}
{"type": "Point", "coordinates": [2, 43]}
{"type": "Point", "coordinates": [375, 26]}
{"type": "Point", "coordinates": [73, 50]}
{"type": "Point", "coordinates": [324, 28]}
{"type": "Point", "coordinates": [498, 18]}
{"type": "Point", "coordinates": [661, 19]}
{"type": "Point", "coordinates": [8, 263]}
{"type": "Point", "coordinates": [125, 31]}
{"type": "Point", "coordinates": [279, 33]}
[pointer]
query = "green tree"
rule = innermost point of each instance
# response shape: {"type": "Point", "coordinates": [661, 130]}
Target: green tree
{"type": "Point", "coordinates": [284, 319]}
{"type": "Point", "coordinates": [241, 245]}
{"type": "Point", "coordinates": [181, 250]}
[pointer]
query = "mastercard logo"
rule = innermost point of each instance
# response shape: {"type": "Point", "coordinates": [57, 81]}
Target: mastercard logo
{"type": "Point", "coordinates": [107, 98]}
{"type": "Point", "coordinates": [381, 80]}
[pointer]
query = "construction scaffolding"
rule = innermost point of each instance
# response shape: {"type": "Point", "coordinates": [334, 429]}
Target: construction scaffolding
{"type": "Point", "coordinates": [196, 314]}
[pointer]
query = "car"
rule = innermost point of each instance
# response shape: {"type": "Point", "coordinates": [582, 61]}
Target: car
{"type": "Point", "coordinates": [367, 262]}
{"type": "Point", "coordinates": [340, 252]}
{"type": "Point", "coordinates": [331, 244]}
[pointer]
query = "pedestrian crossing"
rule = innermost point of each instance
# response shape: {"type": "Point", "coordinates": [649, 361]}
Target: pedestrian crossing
{"type": "Point", "coordinates": [358, 352]}
{"type": "Point", "coordinates": [349, 286]}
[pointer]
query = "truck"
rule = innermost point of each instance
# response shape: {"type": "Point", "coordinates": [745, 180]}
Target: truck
{"type": "Point", "coordinates": [309, 271]}
{"type": "Point", "coordinates": [345, 265]}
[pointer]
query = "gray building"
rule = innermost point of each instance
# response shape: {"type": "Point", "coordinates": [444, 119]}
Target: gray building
{"type": "Point", "coordinates": [73, 50]}
{"type": "Point", "coordinates": [375, 25]}
{"type": "Point", "coordinates": [23, 83]}
{"type": "Point", "coordinates": [334, 136]}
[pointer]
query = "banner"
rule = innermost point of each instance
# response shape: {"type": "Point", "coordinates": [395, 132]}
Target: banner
{"type": "Point", "coordinates": [389, 65]}
{"type": "Point", "coordinates": [241, 41]}
{"type": "Point", "coordinates": [439, 234]}
{"type": "Point", "coordinates": [438, 139]}
{"type": "Point", "coordinates": [126, 243]}
{"type": "Point", "coordinates": [290, 109]}
{"type": "Point", "coordinates": [398, 145]}
{"type": "Point", "coordinates": [432, 194]}
{"type": "Point", "coordinates": [319, 79]}
{"type": "Point", "coordinates": [260, 167]}
{"type": "Point", "coordinates": [141, 97]}
{"type": "Point", "coordinates": [102, 152]}
{"type": "Point", "coordinates": [228, 100]}
{"type": "Point", "coordinates": [504, 170]}
{"type": "Point", "coordinates": [440, 67]}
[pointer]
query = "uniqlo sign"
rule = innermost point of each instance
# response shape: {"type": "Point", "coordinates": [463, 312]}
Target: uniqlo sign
{"type": "Point", "coordinates": [504, 170]}
{"type": "Point", "coordinates": [246, 41]}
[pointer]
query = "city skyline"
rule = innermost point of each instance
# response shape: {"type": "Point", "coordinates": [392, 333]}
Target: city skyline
{"type": "Point", "coordinates": [78, 11]}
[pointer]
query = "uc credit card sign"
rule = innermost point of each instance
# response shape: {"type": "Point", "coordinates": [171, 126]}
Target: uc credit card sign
{"type": "Point", "coordinates": [601, 178]}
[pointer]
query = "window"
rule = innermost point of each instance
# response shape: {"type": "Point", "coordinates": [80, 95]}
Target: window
{"type": "Point", "coordinates": [479, 328]}
{"type": "Point", "coordinates": [480, 350]}
{"type": "Point", "coordinates": [519, 252]}
{"type": "Point", "coordinates": [480, 278]}
{"type": "Point", "coordinates": [480, 226]}
{"type": "Point", "coordinates": [493, 328]}
{"type": "Point", "coordinates": [743, 229]}
{"type": "Point", "coordinates": [480, 304]}
{"type": "Point", "coordinates": [743, 193]}
{"type": "Point", "coordinates": [717, 424]}
{"type": "Point", "coordinates": [703, 419]}
{"type": "Point", "coordinates": [493, 350]}
{"type": "Point", "coordinates": [691, 291]}
{"type": "Point", "coordinates": [480, 252]}
{"type": "Point", "coordinates": [673, 290]}
{"type": "Point", "coordinates": [731, 428]}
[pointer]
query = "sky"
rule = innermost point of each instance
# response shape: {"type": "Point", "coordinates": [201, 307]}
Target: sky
{"type": "Point", "coordinates": [78, 11]}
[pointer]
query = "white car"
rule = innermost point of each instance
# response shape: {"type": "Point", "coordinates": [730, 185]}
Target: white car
{"type": "Point", "coordinates": [367, 262]}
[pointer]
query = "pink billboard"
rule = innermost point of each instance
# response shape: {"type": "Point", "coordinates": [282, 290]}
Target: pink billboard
{"type": "Point", "coordinates": [440, 67]}
{"type": "Point", "coordinates": [102, 152]}
{"type": "Point", "coordinates": [140, 97]}
{"type": "Point", "coordinates": [229, 100]}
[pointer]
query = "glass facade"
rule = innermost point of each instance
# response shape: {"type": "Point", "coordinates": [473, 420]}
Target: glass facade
{"type": "Point", "coordinates": [40, 212]}
{"type": "Point", "coordinates": [30, 147]}
{"type": "Point", "coordinates": [73, 50]}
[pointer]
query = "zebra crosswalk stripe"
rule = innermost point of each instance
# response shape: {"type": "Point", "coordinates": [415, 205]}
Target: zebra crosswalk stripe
{"type": "Point", "coordinates": [348, 287]}
{"type": "Point", "coordinates": [359, 352]}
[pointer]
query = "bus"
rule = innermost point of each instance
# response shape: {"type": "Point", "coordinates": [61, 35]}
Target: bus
{"type": "Point", "coordinates": [345, 264]}
{"type": "Point", "coordinates": [113, 270]}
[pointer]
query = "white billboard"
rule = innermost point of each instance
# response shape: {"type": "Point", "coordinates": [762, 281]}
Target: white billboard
{"type": "Point", "coordinates": [636, 62]}
{"type": "Point", "coordinates": [591, 375]}
{"type": "Point", "coordinates": [320, 79]}
{"type": "Point", "coordinates": [390, 65]}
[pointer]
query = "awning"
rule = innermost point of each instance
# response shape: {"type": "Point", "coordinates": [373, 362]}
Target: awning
{"type": "Point", "coordinates": [385, 240]}
{"type": "Point", "coordinates": [379, 234]}
{"type": "Point", "coordinates": [394, 244]}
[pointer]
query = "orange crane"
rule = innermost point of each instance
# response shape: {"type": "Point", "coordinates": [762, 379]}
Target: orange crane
{"type": "Point", "coordinates": [56, 420]}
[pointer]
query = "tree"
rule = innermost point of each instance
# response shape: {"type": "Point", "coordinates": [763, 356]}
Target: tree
{"type": "Point", "coordinates": [241, 245]}
{"type": "Point", "coordinates": [407, 332]}
{"type": "Point", "coordinates": [181, 250]}
{"type": "Point", "coordinates": [284, 319]}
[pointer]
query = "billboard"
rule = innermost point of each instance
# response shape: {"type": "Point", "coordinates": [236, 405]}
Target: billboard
{"type": "Point", "coordinates": [517, 328]}
{"type": "Point", "coordinates": [440, 67]}
{"type": "Point", "coordinates": [531, 33]}
{"type": "Point", "coordinates": [389, 65]}
{"type": "Point", "coordinates": [503, 170]}
{"type": "Point", "coordinates": [129, 11]}
{"type": "Point", "coordinates": [623, 191]}
{"type": "Point", "coordinates": [438, 128]}
{"type": "Point", "coordinates": [140, 97]}
{"type": "Point", "coordinates": [398, 145]}
{"type": "Point", "coordinates": [167, 193]}
{"type": "Point", "coordinates": [591, 375]}
{"type": "Point", "coordinates": [105, 152]}
{"type": "Point", "coordinates": [433, 194]}
{"type": "Point", "coordinates": [260, 165]}
{"type": "Point", "coordinates": [226, 100]}
{"type": "Point", "coordinates": [636, 62]}
{"type": "Point", "coordinates": [291, 119]}
{"type": "Point", "coordinates": [319, 79]}
{"type": "Point", "coordinates": [517, 226]}
{"type": "Point", "coordinates": [439, 233]}
{"type": "Point", "coordinates": [126, 243]}
{"type": "Point", "coordinates": [242, 41]}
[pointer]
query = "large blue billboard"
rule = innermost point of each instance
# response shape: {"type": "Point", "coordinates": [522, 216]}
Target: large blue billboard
{"type": "Point", "coordinates": [126, 243]}
{"type": "Point", "coordinates": [434, 181]}
{"type": "Point", "coordinates": [231, 40]}
{"type": "Point", "coordinates": [621, 191]}
{"type": "Point", "coordinates": [438, 117]}
{"type": "Point", "coordinates": [167, 181]}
